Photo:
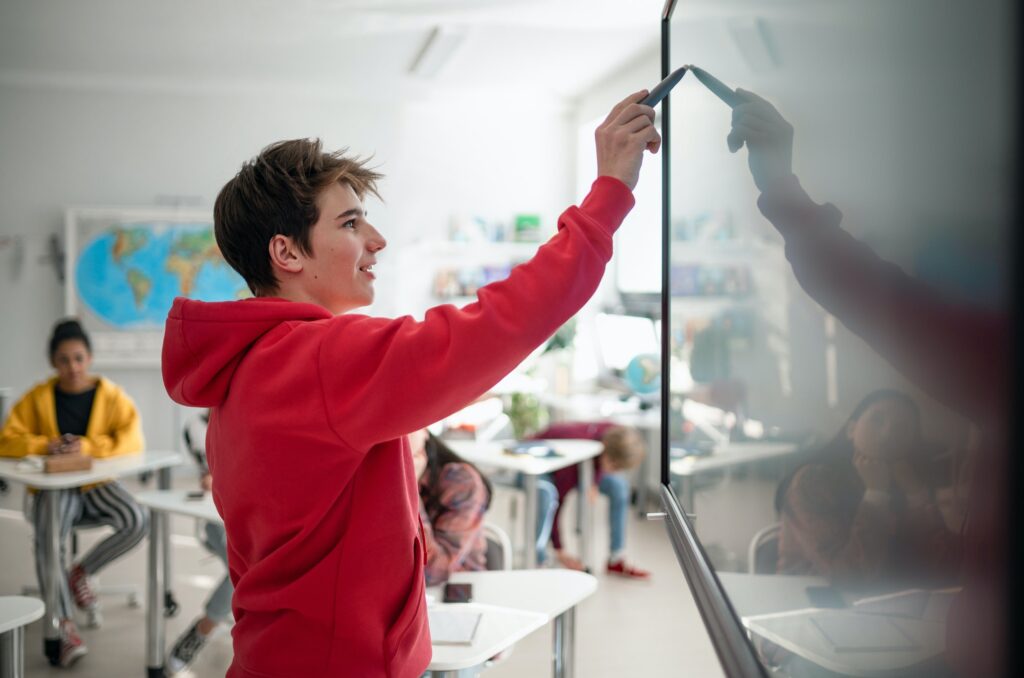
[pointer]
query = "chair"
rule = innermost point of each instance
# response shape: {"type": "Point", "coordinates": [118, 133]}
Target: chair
{"type": "Point", "coordinates": [499, 557]}
{"type": "Point", "coordinates": [763, 555]}
{"type": "Point", "coordinates": [94, 618]}
{"type": "Point", "coordinates": [499, 548]}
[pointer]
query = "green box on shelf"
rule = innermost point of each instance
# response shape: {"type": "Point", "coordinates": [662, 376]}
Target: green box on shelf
{"type": "Point", "coordinates": [527, 228]}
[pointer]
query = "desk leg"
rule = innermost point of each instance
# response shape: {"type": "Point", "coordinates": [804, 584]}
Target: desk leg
{"type": "Point", "coordinates": [163, 482]}
{"type": "Point", "coordinates": [586, 523]}
{"type": "Point", "coordinates": [154, 597]}
{"type": "Point", "coordinates": [530, 518]}
{"type": "Point", "coordinates": [688, 495]}
{"type": "Point", "coordinates": [12, 653]}
{"type": "Point", "coordinates": [51, 621]}
{"type": "Point", "coordinates": [565, 644]}
{"type": "Point", "coordinates": [643, 489]}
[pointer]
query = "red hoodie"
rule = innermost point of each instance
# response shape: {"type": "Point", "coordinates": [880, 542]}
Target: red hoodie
{"type": "Point", "coordinates": [306, 442]}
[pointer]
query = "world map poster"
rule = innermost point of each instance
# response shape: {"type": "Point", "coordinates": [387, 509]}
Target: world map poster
{"type": "Point", "coordinates": [124, 269]}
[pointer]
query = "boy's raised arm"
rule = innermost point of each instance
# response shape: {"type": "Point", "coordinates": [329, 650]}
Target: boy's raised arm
{"type": "Point", "coordinates": [383, 378]}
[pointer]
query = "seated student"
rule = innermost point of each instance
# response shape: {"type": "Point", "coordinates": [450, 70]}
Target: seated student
{"type": "Point", "coordinates": [311, 404]}
{"type": "Point", "coordinates": [78, 412]}
{"type": "Point", "coordinates": [454, 496]}
{"type": "Point", "coordinates": [861, 511]}
{"type": "Point", "coordinates": [217, 610]}
{"type": "Point", "coordinates": [623, 450]}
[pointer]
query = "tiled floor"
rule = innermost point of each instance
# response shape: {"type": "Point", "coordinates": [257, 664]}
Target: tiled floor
{"type": "Point", "coordinates": [626, 629]}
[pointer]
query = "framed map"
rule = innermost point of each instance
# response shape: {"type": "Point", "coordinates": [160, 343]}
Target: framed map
{"type": "Point", "coordinates": [124, 267]}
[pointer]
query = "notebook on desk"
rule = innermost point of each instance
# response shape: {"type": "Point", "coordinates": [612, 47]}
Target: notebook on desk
{"type": "Point", "coordinates": [452, 625]}
{"type": "Point", "coordinates": [847, 632]}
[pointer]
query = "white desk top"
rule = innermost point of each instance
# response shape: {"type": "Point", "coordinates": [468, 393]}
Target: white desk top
{"type": "Point", "coordinates": [733, 454]}
{"type": "Point", "coordinates": [491, 453]}
{"type": "Point", "coordinates": [549, 592]}
{"type": "Point", "coordinates": [102, 469]}
{"type": "Point", "coordinates": [18, 611]}
{"type": "Point", "coordinates": [795, 632]}
{"type": "Point", "coordinates": [756, 594]}
{"type": "Point", "coordinates": [499, 629]}
{"type": "Point", "coordinates": [176, 501]}
{"type": "Point", "coordinates": [645, 419]}
{"type": "Point", "coordinates": [528, 599]}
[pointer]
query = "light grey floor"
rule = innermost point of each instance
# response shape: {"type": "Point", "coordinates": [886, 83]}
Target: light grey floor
{"type": "Point", "coordinates": [626, 629]}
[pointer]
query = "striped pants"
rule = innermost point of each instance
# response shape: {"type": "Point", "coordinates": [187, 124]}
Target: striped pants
{"type": "Point", "coordinates": [108, 504]}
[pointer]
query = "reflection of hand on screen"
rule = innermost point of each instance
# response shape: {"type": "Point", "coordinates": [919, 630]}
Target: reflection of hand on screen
{"type": "Point", "coordinates": [769, 138]}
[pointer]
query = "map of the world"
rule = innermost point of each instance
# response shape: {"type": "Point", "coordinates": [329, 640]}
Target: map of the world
{"type": "Point", "coordinates": [128, 275]}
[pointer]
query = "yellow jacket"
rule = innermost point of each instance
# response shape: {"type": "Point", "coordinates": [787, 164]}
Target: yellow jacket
{"type": "Point", "coordinates": [114, 426]}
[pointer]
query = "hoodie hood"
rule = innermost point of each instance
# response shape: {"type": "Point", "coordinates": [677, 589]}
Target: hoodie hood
{"type": "Point", "coordinates": [204, 342]}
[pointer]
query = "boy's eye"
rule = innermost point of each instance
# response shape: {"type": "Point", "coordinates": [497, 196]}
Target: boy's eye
{"type": "Point", "coordinates": [351, 223]}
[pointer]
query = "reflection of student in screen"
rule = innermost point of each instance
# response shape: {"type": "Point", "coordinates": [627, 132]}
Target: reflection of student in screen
{"type": "Point", "coordinates": [861, 511]}
{"type": "Point", "coordinates": [955, 353]}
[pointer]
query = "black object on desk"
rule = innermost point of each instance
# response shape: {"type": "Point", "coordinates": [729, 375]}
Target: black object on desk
{"type": "Point", "coordinates": [458, 593]}
{"type": "Point", "coordinates": [825, 597]}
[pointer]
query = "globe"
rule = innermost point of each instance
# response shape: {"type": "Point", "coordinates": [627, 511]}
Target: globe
{"type": "Point", "coordinates": [643, 374]}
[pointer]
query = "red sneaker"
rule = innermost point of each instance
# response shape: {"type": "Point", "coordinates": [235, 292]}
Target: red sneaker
{"type": "Point", "coordinates": [623, 569]}
{"type": "Point", "coordinates": [85, 597]}
{"type": "Point", "coordinates": [71, 646]}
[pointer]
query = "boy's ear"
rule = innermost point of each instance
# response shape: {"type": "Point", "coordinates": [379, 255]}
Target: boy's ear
{"type": "Point", "coordinates": [285, 254]}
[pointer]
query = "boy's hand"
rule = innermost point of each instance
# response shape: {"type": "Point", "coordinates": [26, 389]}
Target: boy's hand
{"type": "Point", "coordinates": [769, 139]}
{"type": "Point", "coordinates": [206, 482]}
{"type": "Point", "coordinates": [622, 138]}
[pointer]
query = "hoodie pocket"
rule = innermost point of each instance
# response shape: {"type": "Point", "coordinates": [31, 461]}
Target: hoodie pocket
{"type": "Point", "coordinates": [407, 642]}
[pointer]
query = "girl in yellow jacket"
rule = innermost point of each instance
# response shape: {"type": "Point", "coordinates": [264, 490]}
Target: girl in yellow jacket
{"type": "Point", "coordinates": [72, 412]}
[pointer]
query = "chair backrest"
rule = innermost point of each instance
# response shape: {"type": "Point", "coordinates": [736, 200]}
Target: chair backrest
{"type": "Point", "coordinates": [499, 548]}
{"type": "Point", "coordinates": [763, 556]}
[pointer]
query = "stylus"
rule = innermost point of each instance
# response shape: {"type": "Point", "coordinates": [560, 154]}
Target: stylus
{"type": "Point", "coordinates": [719, 88]}
{"type": "Point", "coordinates": [662, 89]}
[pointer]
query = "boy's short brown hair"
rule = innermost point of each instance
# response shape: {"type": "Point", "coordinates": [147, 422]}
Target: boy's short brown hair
{"type": "Point", "coordinates": [275, 194]}
{"type": "Point", "coordinates": [623, 447]}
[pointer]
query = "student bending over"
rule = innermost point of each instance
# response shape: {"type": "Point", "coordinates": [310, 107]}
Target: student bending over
{"type": "Point", "coordinates": [454, 496]}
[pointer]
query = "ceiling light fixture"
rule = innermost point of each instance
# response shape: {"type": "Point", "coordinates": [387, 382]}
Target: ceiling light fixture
{"type": "Point", "coordinates": [437, 51]}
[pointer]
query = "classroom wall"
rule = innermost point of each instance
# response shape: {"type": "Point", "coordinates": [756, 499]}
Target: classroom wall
{"type": "Point", "coordinates": [115, 144]}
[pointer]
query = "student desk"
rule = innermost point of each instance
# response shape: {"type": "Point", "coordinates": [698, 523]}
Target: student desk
{"type": "Point", "coordinates": [492, 454]}
{"type": "Point", "coordinates": [49, 483]}
{"type": "Point", "coordinates": [777, 608]}
{"type": "Point", "coordinates": [16, 612]}
{"type": "Point", "coordinates": [514, 603]}
{"type": "Point", "coordinates": [732, 455]}
{"type": "Point", "coordinates": [161, 504]}
{"type": "Point", "coordinates": [552, 594]}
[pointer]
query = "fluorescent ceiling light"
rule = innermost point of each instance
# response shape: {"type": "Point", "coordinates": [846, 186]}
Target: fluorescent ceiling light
{"type": "Point", "coordinates": [441, 43]}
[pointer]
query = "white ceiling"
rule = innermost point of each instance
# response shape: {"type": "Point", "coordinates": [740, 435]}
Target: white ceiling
{"type": "Point", "coordinates": [345, 48]}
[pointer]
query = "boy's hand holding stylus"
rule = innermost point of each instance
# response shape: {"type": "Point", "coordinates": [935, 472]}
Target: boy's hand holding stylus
{"type": "Point", "coordinates": [622, 138]}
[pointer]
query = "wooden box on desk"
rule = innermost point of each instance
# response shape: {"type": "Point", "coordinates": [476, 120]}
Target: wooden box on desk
{"type": "Point", "coordinates": [62, 463]}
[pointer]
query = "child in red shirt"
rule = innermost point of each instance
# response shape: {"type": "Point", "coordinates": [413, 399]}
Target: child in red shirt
{"type": "Point", "coordinates": [311, 405]}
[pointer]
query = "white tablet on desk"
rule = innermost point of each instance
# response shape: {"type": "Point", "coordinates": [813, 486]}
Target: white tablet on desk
{"type": "Point", "coordinates": [453, 625]}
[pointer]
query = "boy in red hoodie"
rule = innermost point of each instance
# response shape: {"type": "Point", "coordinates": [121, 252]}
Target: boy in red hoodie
{"type": "Point", "coordinates": [311, 405]}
